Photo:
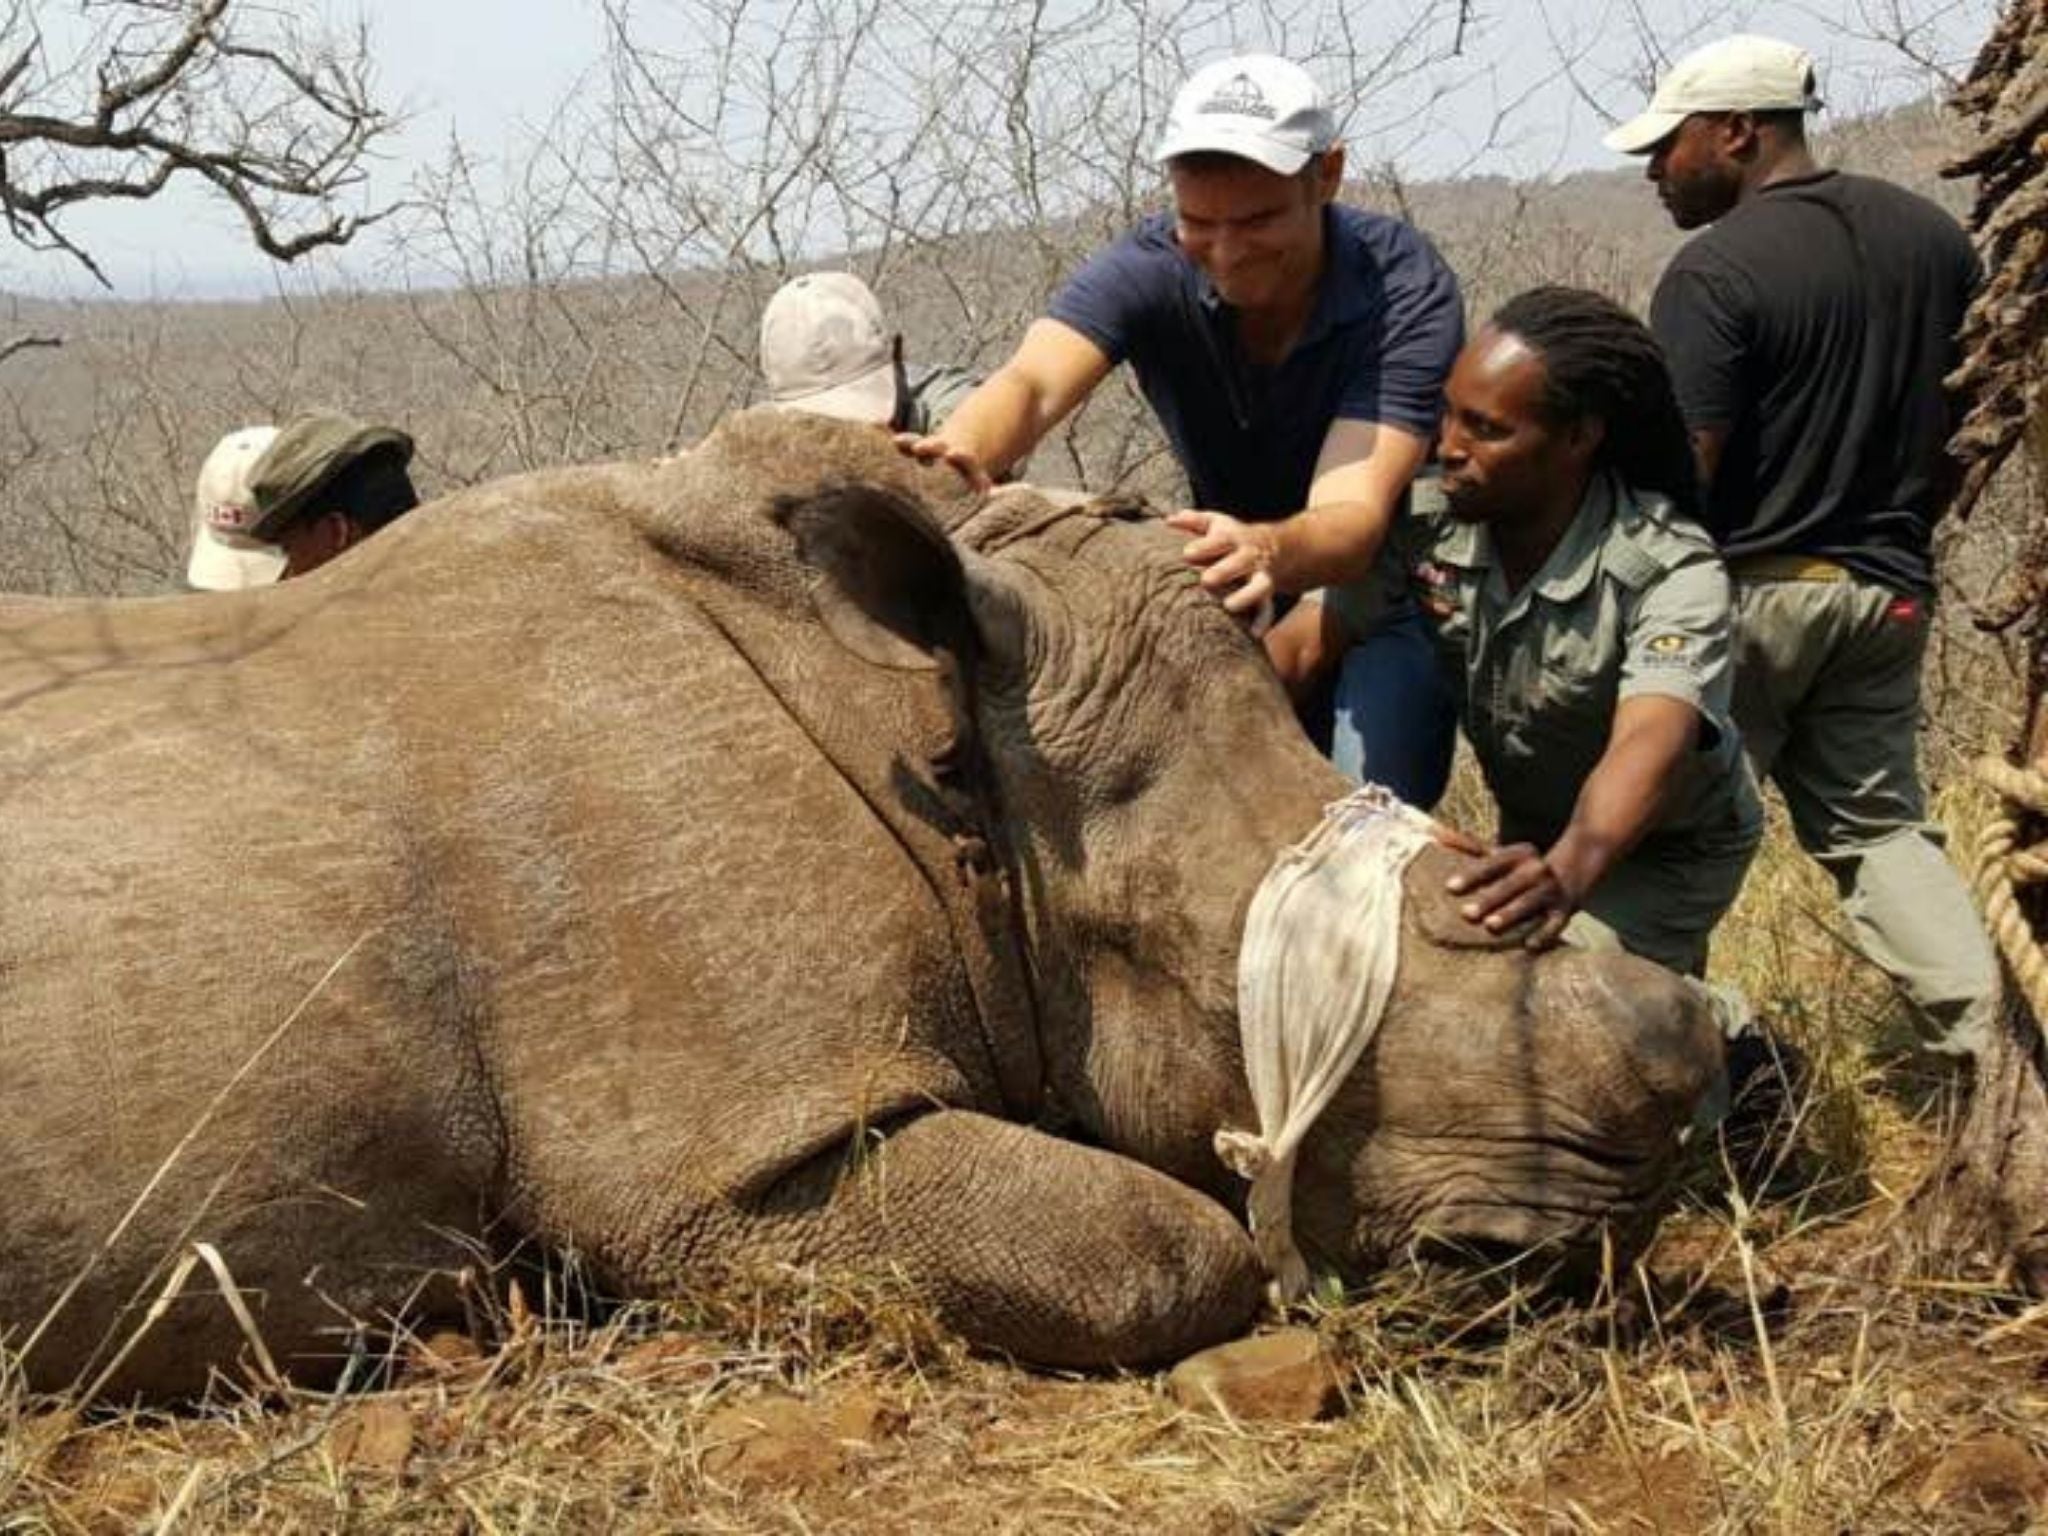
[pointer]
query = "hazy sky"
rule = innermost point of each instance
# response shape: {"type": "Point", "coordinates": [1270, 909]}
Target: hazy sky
{"type": "Point", "coordinates": [483, 68]}
{"type": "Point", "coordinates": [491, 70]}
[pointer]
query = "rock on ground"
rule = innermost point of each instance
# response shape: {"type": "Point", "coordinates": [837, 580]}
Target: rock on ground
{"type": "Point", "coordinates": [1987, 1474]}
{"type": "Point", "coordinates": [1285, 1377]}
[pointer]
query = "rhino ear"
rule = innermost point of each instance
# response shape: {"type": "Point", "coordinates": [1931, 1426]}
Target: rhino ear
{"type": "Point", "coordinates": [889, 584]}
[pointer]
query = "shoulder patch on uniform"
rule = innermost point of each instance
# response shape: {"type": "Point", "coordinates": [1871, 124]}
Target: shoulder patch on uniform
{"type": "Point", "coordinates": [1674, 649]}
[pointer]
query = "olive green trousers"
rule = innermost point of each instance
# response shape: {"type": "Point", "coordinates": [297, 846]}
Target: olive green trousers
{"type": "Point", "coordinates": [1827, 697]}
{"type": "Point", "coordinates": [1663, 901]}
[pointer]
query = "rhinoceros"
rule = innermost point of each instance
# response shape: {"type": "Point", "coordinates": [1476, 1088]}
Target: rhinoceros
{"type": "Point", "coordinates": [778, 854]}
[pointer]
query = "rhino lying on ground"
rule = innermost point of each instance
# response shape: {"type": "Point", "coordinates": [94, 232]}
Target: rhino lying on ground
{"type": "Point", "coordinates": [705, 864]}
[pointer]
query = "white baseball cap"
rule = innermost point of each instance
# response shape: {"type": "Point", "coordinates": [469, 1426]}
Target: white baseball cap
{"type": "Point", "coordinates": [1744, 73]}
{"type": "Point", "coordinates": [826, 349]}
{"type": "Point", "coordinates": [224, 558]}
{"type": "Point", "coordinates": [1254, 106]}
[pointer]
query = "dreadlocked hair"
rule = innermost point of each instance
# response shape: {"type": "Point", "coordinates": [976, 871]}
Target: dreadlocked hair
{"type": "Point", "coordinates": [1600, 360]}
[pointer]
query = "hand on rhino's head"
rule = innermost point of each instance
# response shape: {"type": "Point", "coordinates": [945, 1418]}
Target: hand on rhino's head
{"type": "Point", "coordinates": [1509, 1102]}
{"type": "Point", "coordinates": [1127, 718]}
{"type": "Point", "coordinates": [1146, 765]}
{"type": "Point", "coordinates": [1100, 676]}
{"type": "Point", "coordinates": [1146, 770]}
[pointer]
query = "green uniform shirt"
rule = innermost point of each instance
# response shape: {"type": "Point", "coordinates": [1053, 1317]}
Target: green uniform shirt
{"type": "Point", "coordinates": [931, 394]}
{"type": "Point", "coordinates": [1633, 600]}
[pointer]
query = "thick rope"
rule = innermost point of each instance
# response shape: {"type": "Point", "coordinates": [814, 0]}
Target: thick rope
{"type": "Point", "coordinates": [2003, 867]}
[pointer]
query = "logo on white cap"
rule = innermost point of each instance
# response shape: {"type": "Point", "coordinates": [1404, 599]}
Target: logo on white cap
{"type": "Point", "coordinates": [230, 516]}
{"type": "Point", "coordinates": [223, 557]}
{"type": "Point", "coordinates": [1241, 96]}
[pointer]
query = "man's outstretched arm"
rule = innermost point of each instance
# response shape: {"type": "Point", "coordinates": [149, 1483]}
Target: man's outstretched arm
{"type": "Point", "coordinates": [1618, 804]}
{"type": "Point", "coordinates": [994, 429]}
{"type": "Point", "coordinates": [1364, 471]}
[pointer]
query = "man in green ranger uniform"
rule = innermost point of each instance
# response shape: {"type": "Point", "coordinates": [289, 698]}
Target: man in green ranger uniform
{"type": "Point", "coordinates": [1583, 620]}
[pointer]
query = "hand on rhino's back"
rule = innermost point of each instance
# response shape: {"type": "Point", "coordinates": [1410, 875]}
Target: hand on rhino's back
{"type": "Point", "coordinates": [730, 869]}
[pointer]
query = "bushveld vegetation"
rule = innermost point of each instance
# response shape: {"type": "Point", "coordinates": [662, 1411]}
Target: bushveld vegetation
{"type": "Point", "coordinates": [1781, 1360]}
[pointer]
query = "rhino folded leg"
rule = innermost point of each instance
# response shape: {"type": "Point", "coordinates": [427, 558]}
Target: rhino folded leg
{"type": "Point", "coordinates": [1058, 1254]}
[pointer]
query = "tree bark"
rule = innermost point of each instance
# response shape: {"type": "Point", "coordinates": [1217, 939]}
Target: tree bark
{"type": "Point", "coordinates": [1987, 1205]}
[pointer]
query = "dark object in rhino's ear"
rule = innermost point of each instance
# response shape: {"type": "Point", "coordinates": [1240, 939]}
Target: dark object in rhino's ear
{"type": "Point", "coordinates": [890, 587]}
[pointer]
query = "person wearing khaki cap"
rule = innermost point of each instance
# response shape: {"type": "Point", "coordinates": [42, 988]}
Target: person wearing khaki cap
{"type": "Point", "coordinates": [1809, 330]}
{"type": "Point", "coordinates": [224, 558]}
{"type": "Point", "coordinates": [1294, 350]}
{"type": "Point", "coordinates": [826, 349]}
{"type": "Point", "coordinates": [1745, 73]}
{"type": "Point", "coordinates": [325, 483]}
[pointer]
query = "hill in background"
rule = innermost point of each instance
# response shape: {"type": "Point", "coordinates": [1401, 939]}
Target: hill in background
{"type": "Point", "coordinates": [529, 364]}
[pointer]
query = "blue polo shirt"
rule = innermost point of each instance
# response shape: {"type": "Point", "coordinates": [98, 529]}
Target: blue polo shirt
{"type": "Point", "coordinates": [1387, 323]}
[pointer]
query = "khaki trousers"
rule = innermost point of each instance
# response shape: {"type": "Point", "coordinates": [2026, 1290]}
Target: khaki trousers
{"type": "Point", "coordinates": [1827, 697]}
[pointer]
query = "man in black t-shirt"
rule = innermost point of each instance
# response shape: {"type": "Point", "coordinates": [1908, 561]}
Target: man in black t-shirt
{"type": "Point", "coordinates": [1809, 330]}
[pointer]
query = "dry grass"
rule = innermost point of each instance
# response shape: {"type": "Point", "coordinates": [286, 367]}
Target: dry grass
{"type": "Point", "coordinates": [1719, 1398]}
{"type": "Point", "coordinates": [1741, 1379]}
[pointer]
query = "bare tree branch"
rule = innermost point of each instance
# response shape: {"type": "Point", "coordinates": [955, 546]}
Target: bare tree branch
{"type": "Point", "coordinates": [24, 343]}
{"type": "Point", "coordinates": [277, 119]}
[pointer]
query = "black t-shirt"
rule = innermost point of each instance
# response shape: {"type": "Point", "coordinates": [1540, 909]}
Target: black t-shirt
{"type": "Point", "coordinates": [1814, 324]}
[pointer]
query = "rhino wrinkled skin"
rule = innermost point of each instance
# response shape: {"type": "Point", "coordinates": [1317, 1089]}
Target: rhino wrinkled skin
{"type": "Point", "coordinates": [706, 864]}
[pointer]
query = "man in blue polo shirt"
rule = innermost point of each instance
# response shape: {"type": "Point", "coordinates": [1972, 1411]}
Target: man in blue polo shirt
{"type": "Point", "coordinates": [1294, 352]}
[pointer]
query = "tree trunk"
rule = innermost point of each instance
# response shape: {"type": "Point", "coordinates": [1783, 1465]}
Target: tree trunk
{"type": "Point", "coordinates": [1988, 1202]}
{"type": "Point", "coordinates": [1988, 1198]}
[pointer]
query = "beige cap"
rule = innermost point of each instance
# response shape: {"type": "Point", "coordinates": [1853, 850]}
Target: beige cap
{"type": "Point", "coordinates": [224, 557]}
{"type": "Point", "coordinates": [826, 349]}
{"type": "Point", "coordinates": [1255, 106]}
{"type": "Point", "coordinates": [1744, 73]}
